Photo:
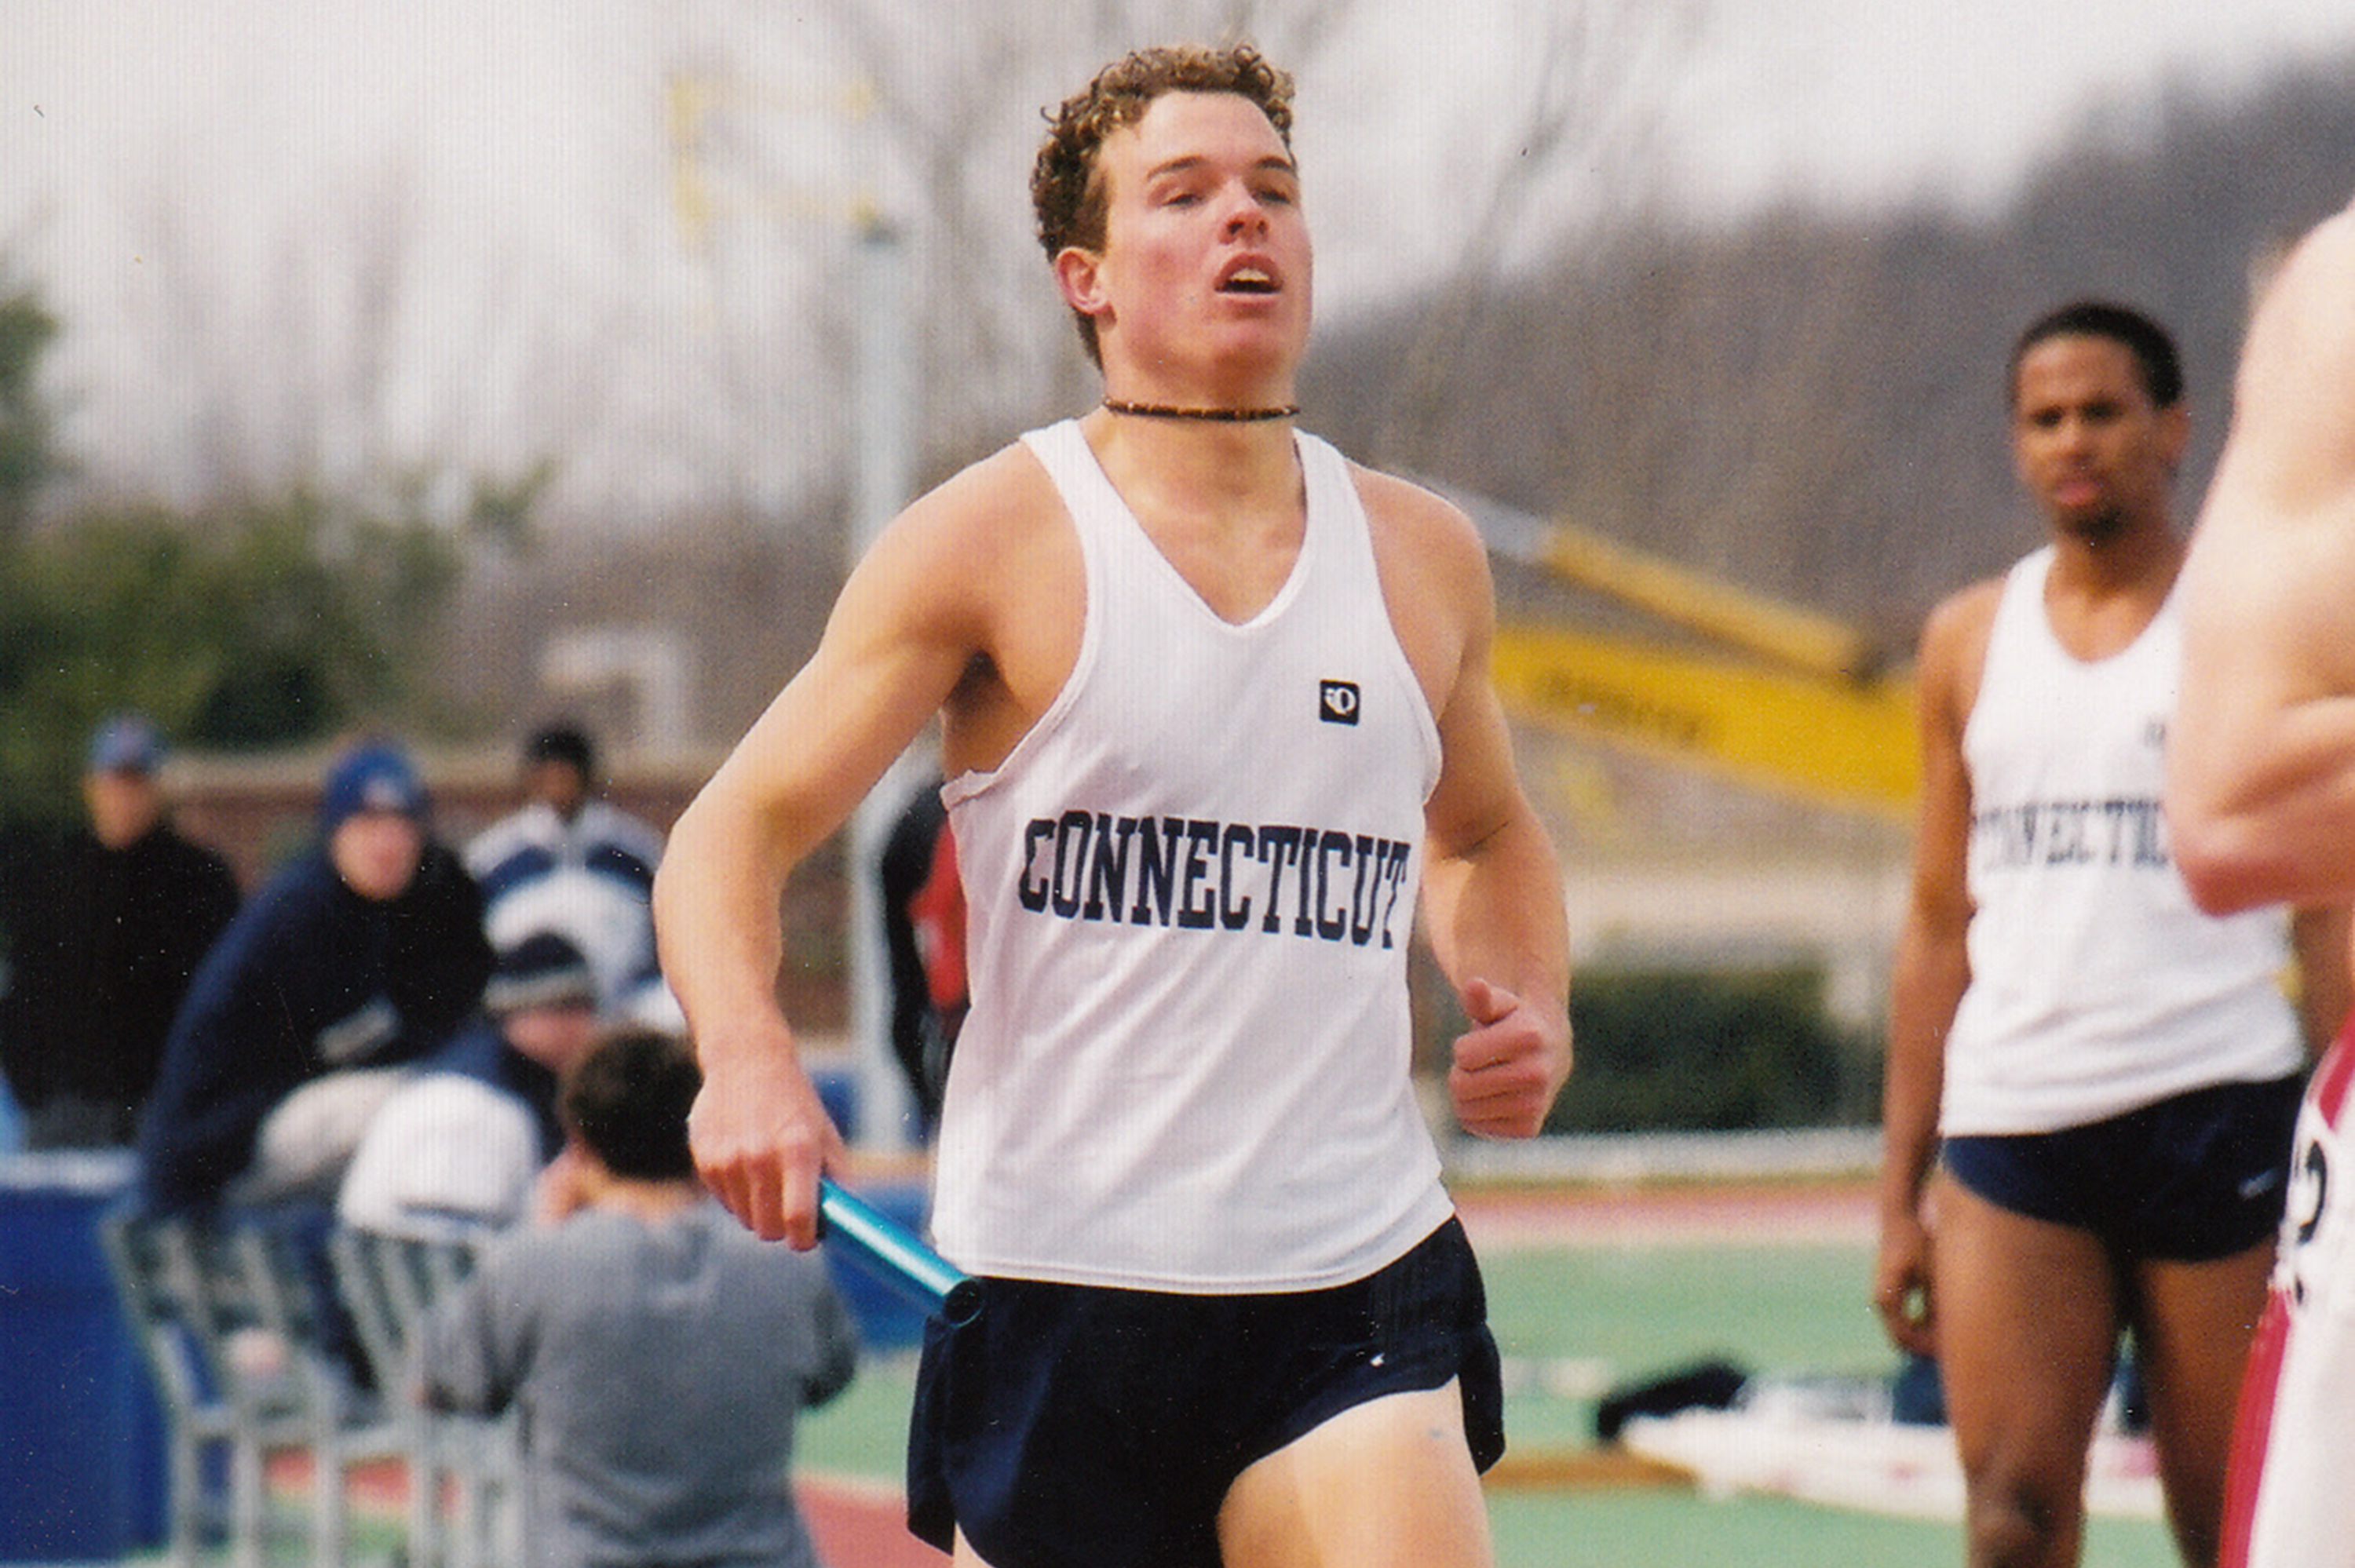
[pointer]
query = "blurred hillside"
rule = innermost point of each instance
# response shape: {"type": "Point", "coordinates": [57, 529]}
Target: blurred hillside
{"type": "Point", "coordinates": [1815, 408]}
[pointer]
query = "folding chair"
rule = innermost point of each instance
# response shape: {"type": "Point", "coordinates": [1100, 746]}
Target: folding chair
{"type": "Point", "coordinates": [291, 1272]}
{"type": "Point", "coordinates": [227, 1316]}
{"type": "Point", "coordinates": [185, 1297]}
{"type": "Point", "coordinates": [391, 1284]}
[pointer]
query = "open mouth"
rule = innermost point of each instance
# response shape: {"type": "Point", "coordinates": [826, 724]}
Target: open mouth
{"type": "Point", "coordinates": [1248, 280]}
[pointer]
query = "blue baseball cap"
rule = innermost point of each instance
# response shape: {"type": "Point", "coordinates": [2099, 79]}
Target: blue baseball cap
{"type": "Point", "coordinates": [125, 744]}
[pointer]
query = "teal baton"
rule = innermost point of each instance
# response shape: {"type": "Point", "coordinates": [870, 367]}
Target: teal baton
{"type": "Point", "coordinates": [895, 1255]}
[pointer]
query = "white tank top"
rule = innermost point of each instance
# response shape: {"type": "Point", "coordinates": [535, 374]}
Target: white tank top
{"type": "Point", "coordinates": [2096, 985]}
{"type": "Point", "coordinates": [1190, 889]}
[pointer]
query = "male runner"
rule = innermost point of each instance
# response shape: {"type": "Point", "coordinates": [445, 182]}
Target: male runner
{"type": "Point", "coordinates": [2261, 795]}
{"type": "Point", "coordinates": [1217, 723]}
{"type": "Point", "coordinates": [2112, 1073]}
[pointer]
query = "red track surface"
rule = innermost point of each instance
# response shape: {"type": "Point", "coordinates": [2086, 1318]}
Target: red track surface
{"type": "Point", "coordinates": [1804, 1212]}
{"type": "Point", "coordinates": [861, 1524]}
{"type": "Point", "coordinates": [857, 1524]}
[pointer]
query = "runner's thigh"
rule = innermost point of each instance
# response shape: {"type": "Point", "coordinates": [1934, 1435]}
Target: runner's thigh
{"type": "Point", "coordinates": [1389, 1482]}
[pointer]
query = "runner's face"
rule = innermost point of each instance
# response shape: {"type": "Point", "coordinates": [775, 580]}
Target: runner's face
{"type": "Point", "coordinates": [1207, 263]}
{"type": "Point", "coordinates": [2090, 444]}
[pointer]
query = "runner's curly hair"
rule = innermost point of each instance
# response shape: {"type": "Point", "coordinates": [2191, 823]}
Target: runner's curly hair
{"type": "Point", "coordinates": [1067, 198]}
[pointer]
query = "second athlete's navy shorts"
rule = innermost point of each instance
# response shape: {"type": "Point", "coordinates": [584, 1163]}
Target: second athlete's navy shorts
{"type": "Point", "coordinates": [2189, 1179]}
{"type": "Point", "coordinates": [1102, 1428]}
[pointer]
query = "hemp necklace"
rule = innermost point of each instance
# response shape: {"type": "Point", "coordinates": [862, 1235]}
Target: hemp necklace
{"type": "Point", "coordinates": [1220, 416]}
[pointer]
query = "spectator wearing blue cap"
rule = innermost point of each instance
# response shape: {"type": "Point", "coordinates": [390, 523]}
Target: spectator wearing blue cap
{"type": "Point", "coordinates": [103, 926]}
{"type": "Point", "coordinates": [356, 961]}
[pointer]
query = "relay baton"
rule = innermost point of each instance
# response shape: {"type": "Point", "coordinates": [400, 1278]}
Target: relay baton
{"type": "Point", "coordinates": [895, 1255]}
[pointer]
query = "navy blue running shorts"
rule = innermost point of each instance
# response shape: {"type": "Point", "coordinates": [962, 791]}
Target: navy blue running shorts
{"type": "Point", "coordinates": [1101, 1428]}
{"type": "Point", "coordinates": [2189, 1179]}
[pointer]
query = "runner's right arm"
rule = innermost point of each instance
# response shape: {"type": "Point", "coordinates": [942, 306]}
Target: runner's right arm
{"type": "Point", "coordinates": [1933, 966]}
{"type": "Point", "coordinates": [907, 626]}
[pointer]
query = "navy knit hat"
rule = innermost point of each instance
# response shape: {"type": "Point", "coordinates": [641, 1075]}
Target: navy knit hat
{"type": "Point", "coordinates": [544, 970]}
{"type": "Point", "coordinates": [376, 777]}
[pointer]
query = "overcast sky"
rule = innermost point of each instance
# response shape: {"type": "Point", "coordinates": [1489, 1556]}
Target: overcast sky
{"type": "Point", "coordinates": [163, 162]}
{"type": "Point", "coordinates": [1861, 100]}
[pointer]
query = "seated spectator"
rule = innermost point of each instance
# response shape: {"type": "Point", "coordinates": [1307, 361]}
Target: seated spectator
{"type": "Point", "coordinates": [102, 932]}
{"type": "Point", "coordinates": [659, 1355]}
{"type": "Point", "coordinates": [458, 1148]}
{"type": "Point", "coordinates": [569, 861]}
{"type": "Point", "coordinates": [348, 966]}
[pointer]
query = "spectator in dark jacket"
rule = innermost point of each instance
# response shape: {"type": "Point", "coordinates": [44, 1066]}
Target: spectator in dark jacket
{"type": "Point", "coordinates": [352, 962]}
{"type": "Point", "coordinates": [102, 932]}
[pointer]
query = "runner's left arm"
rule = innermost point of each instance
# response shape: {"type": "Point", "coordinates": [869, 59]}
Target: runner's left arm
{"type": "Point", "coordinates": [1493, 890]}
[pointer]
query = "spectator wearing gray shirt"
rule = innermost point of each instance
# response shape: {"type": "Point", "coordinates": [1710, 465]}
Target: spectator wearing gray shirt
{"type": "Point", "coordinates": [658, 1354]}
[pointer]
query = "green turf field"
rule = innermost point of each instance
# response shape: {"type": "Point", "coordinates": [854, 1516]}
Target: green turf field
{"type": "Point", "coordinates": [1771, 1307]}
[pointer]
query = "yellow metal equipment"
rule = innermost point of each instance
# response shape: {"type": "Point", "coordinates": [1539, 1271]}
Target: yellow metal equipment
{"type": "Point", "coordinates": [1799, 703]}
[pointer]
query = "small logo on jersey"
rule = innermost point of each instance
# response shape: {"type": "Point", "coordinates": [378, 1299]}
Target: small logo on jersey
{"type": "Point", "coordinates": [1336, 702]}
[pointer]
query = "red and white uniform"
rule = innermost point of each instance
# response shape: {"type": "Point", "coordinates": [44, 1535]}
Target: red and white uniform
{"type": "Point", "coordinates": [2290, 1499]}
